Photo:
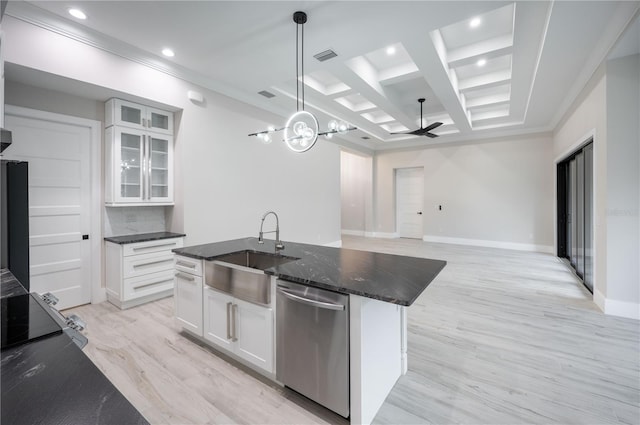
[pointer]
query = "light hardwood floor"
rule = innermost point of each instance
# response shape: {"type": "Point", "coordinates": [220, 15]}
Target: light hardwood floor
{"type": "Point", "coordinates": [500, 337]}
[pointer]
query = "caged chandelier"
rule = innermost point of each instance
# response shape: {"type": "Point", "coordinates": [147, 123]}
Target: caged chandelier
{"type": "Point", "coordinates": [301, 129]}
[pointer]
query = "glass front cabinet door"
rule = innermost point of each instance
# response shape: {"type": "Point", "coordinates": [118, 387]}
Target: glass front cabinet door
{"type": "Point", "coordinates": [128, 114]}
{"type": "Point", "coordinates": [139, 167]}
{"type": "Point", "coordinates": [160, 171]}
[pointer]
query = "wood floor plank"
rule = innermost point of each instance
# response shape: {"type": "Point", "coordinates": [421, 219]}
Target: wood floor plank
{"type": "Point", "coordinates": [499, 337]}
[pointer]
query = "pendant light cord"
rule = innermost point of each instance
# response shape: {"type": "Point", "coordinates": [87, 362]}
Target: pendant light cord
{"type": "Point", "coordinates": [297, 82]}
{"type": "Point", "coordinates": [302, 64]}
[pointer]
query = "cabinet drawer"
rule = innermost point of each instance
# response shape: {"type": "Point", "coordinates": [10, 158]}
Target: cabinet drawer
{"type": "Point", "coordinates": [148, 284]}
{"type": "Point", "coordinates": [139, 265]}
{"type": "Point", "coordinates": [188, 265]}
{"type": "Point", "coordinates": [151, 246]}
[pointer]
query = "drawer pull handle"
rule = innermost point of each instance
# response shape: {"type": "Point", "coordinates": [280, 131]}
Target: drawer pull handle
{"type": "Point", "coordinates": [144, 285]}
{"type": "Point", "coordinates": [152, 263]}
{"type": "Point", "coordinates": [183, 264]}
{"type": "Point", "coordinates": [185, 277]}
{"type": "Point", "coordinates": [234, 315]}
{"type": "Point", "coordinates": [153, 246]}
{"type": "Point", "coordinates": [229, 320]}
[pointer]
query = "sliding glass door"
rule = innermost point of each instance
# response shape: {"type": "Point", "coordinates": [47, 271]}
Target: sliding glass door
{"type": "Point", "coordinates": [575, 212]}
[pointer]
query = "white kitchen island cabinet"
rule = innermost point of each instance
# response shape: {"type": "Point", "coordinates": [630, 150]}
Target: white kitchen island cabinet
{"type": "Point", "coordinates": [380, 288]}
{"type": "Point", "coordinates": [188, 294]}
{"type": "Point", "coordinates": [239, 327]}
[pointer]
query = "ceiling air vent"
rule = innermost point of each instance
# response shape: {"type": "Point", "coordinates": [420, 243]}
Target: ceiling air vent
{"type": "Point", "coordinates": [267, 94]}
{"type": "Point", "coordinates": [326, 55]}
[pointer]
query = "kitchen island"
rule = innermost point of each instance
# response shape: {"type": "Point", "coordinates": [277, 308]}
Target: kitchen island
{"type": "Point", "coordinates": [379, 288]}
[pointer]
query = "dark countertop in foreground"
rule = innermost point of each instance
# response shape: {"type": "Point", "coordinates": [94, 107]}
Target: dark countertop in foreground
{"type": "Point", "coordinates": [143, 237]}
{"type": "Point", "coordinates": [51, 381]}
{"type": "Point", "coordinates": [391, 278]}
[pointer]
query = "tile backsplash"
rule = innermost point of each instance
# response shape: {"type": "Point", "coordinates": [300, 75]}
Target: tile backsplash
{"type": "Point", "coordinates": [121, 221]}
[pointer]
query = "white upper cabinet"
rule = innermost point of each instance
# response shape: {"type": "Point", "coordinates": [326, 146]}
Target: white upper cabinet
{"type": "Point", "coordinates": [138, 160]}
{"type": "Point", "coordinates": [132, 115]}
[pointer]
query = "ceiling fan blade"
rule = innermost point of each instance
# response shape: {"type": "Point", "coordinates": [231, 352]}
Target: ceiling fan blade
{"type": "Point", "coordinates": [410, 132]}
{"type": "Point", "coordinates": [432, 126]}
{"type": "Point", "coordinates": [430, 135]}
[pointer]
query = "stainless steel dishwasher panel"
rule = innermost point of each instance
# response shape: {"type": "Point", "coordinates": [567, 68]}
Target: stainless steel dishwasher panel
{"type": "Point", "coordinates": [312, 347]}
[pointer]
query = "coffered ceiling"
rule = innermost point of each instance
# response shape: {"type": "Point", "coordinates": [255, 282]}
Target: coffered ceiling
{"type": "Point", "coordinates": [486, 68]}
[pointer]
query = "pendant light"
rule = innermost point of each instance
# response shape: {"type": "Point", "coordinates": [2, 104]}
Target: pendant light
{"type": "Point", "coordinates": [301, 129]}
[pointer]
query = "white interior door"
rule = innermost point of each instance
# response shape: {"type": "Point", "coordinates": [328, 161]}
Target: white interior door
{"type": "Point", "coordinates": [409, 202]}
{"type": "Point", "coordinates": [59, 205]}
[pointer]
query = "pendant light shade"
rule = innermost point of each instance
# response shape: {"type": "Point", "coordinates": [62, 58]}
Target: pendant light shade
{"type": "Point", "coordinates": [301, 131]}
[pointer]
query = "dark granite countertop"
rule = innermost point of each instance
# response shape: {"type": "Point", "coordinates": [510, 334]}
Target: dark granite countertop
{"type": "Point", "coordinates": [143, 237]}
{"type": "Point", "coordinates": [51, 381]}
{"type": "Point", "coordinates": [392, 278]}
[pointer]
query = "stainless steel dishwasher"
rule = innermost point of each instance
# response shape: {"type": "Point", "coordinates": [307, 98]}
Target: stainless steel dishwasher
{"type": "Point", "coordinates": [312, 354]}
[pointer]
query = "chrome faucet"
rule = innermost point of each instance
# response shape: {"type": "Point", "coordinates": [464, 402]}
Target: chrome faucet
{"type": "Point", "coordinates": [279, 244]}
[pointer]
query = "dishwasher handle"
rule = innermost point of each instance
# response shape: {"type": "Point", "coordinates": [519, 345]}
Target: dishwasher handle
{"type": "Point", "coordinates": [313, 303]}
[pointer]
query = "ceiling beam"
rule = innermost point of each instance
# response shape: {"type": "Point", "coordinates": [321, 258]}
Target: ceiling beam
{"type": "Point", "coordinates": [435, 71]}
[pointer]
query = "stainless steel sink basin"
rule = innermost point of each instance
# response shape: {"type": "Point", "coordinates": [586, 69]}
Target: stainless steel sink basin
{"type": "Point", "coordinates": [242, 282]}
{"type": "Point", "coordinates": [256, 260]}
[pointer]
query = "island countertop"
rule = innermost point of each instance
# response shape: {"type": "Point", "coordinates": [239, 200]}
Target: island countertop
{"type": "Point", "coordinates": [391, 278]}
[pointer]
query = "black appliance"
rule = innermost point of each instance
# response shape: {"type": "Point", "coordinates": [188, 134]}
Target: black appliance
{"type": "Point", "coordinates": [14, 202]}
{"type": "Point", "coordinates": [24, 320]}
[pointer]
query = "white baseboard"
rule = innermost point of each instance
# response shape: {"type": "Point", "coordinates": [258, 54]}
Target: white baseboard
{"type": "Point", "coordinates": [369, 234]}
{"type": "Point", "coordinates": [622, 309]}
{"type": "Point", "coordinates": [616, 308]}
{"type": "Point", "coordinates": [353, 232]}
{"type": "Point", "coordinates": [599, 299]}
{"type": "Point", "coordinates": [490, 244]}
{"type": "Point", "coordinates": [335, 244]}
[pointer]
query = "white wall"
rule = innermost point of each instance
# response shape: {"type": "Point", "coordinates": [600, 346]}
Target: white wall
{"type": "Point", "coordinates": [497, 193]}
{"type": "Point", "coordinates": [224, 179]}
{"type": "Point", "coordinates": [608, 110]}
{"type": "Point", "coordinates": [588, 118]}
{"type": "Point", "coordinates": [623, 179]}
{"type": "Point", "coordinates": [356, 183]}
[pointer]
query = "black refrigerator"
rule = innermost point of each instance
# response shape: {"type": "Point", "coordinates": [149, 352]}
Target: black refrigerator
{"type": "Point", "coordinates": [14, 205]}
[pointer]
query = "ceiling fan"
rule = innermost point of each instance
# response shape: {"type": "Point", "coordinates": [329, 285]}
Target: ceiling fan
{"type": "Point", "coordinates": [423, 131]}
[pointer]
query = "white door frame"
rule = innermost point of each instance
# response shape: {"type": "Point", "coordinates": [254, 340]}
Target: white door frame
{"type": "Point", "coordinates": [98, 293]}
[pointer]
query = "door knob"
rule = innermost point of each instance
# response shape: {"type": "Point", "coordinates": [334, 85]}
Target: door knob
{"type": "Point", "coordinates": [419, 212]}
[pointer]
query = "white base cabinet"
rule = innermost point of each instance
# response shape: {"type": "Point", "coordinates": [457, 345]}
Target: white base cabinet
{"type": "Point", "coordinates": [140, 272]}
{"type": "Point", "coordinates": [188, 294]}
{"type": "Point", "coordinates": [239, 327]}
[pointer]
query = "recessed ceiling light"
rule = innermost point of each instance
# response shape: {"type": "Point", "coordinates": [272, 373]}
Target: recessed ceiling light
{"type": "Point", "coordinates": [391, 50]}
{"type": "Point", "coordinates": [168, 52]}
{"type": "Point", "coordinates": [475, 22]}
{"type": "Point", "coordinates": [482, 62]}
{"type": "Point", "coordinates": [77, 13]}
